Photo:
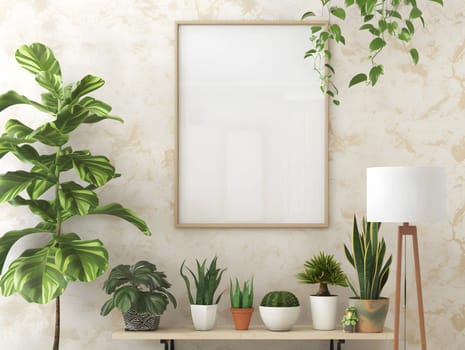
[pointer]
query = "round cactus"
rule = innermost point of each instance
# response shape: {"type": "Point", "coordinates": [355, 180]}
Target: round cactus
{"type": "Point", "coordinates": [280, 299]}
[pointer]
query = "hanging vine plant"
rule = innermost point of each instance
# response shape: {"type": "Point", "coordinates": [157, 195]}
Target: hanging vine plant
{"type": "Point", "coordinates": [386, 21]}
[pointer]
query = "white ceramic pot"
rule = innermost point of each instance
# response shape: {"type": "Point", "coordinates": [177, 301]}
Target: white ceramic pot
{"type": "Point", "coordinates": [203, 316]}
{"type": "Point", "coordinates": [279, 318]}
{"type": "Point", "coordinates": [324, 312]}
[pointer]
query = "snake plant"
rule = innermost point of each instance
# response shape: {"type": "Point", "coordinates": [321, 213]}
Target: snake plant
{"type": "Point", "coordinates": [324, 270]}
{"type": "Point", "coordinates": [367, 257]}
{"type": "Point", "coordinates": [206, 282]}
{"type": "Point", "coordinates": [60, 183]}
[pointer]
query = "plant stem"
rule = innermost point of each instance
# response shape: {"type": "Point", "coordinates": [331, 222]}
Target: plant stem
{"type": "Point", "coordinates": [56, 339]}
{"type": "Point", "coordinates": [323, 291]}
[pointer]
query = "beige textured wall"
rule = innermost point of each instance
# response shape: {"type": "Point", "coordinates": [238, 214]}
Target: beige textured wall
{"type": "Point", "coordinates": [415, 116]}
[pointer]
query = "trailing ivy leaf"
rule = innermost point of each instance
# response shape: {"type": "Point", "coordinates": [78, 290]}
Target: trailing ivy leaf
{"type": "Point", "coordinates": [96, 170]}
{"type": "Point", "coordinates": [349, 2]}
{"type": "Point", "coordinates": [440, 2]}
{"type": "Point", "coordinates": [415, 13]}
{"type": "Point", "coordinates": [117, 210]}
{"type": "Point", "coordinates": [37, 58]}
{"type": "Point", "coordinates": [338, 12]}
{"type": "Point", "coordinates": [404, 35]}
{"type": "Point", "coordinates": [368, 18]}
{"type": "Point", "coordinates": [336, 102]}
{"type": "Point", "coordinates": [377, 44]}
{"type": "Point", "coordinates": [392, 27]}
{"type": "Point", "coordinates": [87, 84]}
{"type": "Point", "coordinates": [395, 14]}
{"type": "Point", "coordinates": [327, 65]}
{"type": "Point", "coordinates": [415, 56]}
{"type": "Point", "coordinates": [11, 237]}
{"type": "Point", "coordinates": [82, 260]}
{"type": "Point", "coordinates": [316, 29]}
{"type": "Point", "coordinates": [375, 73]}
{"type": "Point", "coordinates": [308, 14]}
{"type": "Point", "coordinates": [357, 79]}
{"type": "Point", "coordinates": [370, 6]}
{"type": "Point", "coordinates": [410, 26]}
{"type": "Point", "coordinates": [382, 25]}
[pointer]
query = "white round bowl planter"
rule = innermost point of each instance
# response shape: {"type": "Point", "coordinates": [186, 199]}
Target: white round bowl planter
{"type": "Point", "coordinates": [324, 312]}
{"type": "Point", "coordinates": [203, 316]}
{"type": "Point", "coordinates": [279, 318]}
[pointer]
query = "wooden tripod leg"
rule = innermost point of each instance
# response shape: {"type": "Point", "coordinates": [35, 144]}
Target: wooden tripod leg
{"type": "Point", "coordinates": [398, 287]}
{"type": "Point", "coordinates": [421, 315]}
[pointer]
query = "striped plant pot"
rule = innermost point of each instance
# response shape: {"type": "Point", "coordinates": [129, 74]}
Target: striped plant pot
{"type": "Point", "coordinates": [134, 321]}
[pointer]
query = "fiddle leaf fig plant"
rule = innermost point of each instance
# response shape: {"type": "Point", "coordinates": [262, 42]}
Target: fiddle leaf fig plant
{"type": "Point", "coordinates": [387, 23]}
{"type": "Point", "coordinates": [47, 188]}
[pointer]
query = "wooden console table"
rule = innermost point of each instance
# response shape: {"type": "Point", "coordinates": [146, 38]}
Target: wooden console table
{"type": "Point", "coordinates": [167, 336]}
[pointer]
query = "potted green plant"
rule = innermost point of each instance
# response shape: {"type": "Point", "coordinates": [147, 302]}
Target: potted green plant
{"type": "Point", "coordinates": [140, 292]}
{"type": "Point", "coordinates": [204, 307]}
{"type": "Point", "coordinates": [323, 269]}
{"type": "Point", "coordinates": [279, 310]}
{"type": "Point", "coordinates": [241, 304]}
{"type": "Point", "coordinates": [350, 319]}
{"type": "Point", "coordinates": [367, 256]}
{"type": "Point", "coordinates": [59, 183]}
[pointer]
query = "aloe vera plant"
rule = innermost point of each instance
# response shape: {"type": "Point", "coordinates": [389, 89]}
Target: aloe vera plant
{"type": "Point", "coordinates": [41, 274]}
{"type": "Point", "coordinates": [367, 256]}
{"type": "Point", "coordinates": [206, 282]}
{"type": "Point", "coordinates": [241, 298]}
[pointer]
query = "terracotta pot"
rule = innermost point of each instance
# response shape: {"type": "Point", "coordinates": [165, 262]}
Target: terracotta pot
{"type": "Point", "coordinates": [371, 313]}
{"type": "Point", "coordinates": [242, 318]}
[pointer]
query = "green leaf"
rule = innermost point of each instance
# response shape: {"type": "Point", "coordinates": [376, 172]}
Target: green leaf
{"type": "Point", "coordinates": [77, 199]}
{"type": "Point", "coordinates": [338, 12]}
{"type": "Point", "coordinates": [96, 170]}
{"type": "Point", "coordinates": [404, 35]}
{"type": "Point", "coordinates": [370, 6]}
{"type": "Point", "coordinates": [117, 210]}
{"type": "Point", "coordinates": [125, 297]}
{"type": "Point", "coordinates": [375, 73]}
{"type": "Point", "coordinates": [107, 307]}
{"type": "Point", "coordinates": [415, 13]}
{"type": "Point", "coordinates": [50, 135]}
{"type": "Point", "coordinates": [410, 26]}
{"type": "Point", "coordinates": [335, 29]}
{"type": "Point", "coordinates": [316, 29]}
{"type": "Point", "coordinates": [359, 78]}
{"type": "Point", "coordinates": [50, 102]}
{"type": "Point", "coordinates": [12, 98]}
{"type": "Point", "coordinates": [394, 14]}
{"type": "Point", "coordinates": [415, 56]}
{"type": "Point", "coordinates": [50, 82]}
{"type": "Point", "coordinates": [14, 182]}
{"type": "Point", "coordinates": [42, 208]}
{"type": "Point", "coordinates": [440, 2]}
{"type": "Point", "coordinates": [308, 14]}
{"type": "Point", "coordinates": [187, 282]}
{"type": "Point", "coordinates": [349, 2]}
{"type": "Point", "coordinates": [11, 237]}
{"type": "Point", "coordinates": [37, 58]}
{"type": "Point", "coordinates": [16, 129]}
{"type": "Point", "coordinates": [377, 44]}
{"type": "Point", "coordinates": [82, 260]}
{"type": "Point", "coordinates": [35, 275]}
{"type": "Point", "coordinates": [392, 27]}
{"type": "Point", "coordinates": [86, 85]}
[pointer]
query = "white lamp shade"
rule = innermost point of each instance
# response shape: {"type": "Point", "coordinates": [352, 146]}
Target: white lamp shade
{"type": "Point", "coordinates": [406, 194]}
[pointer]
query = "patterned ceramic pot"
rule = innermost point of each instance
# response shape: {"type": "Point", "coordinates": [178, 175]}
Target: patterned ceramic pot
{"type": "Point", "coordinates": [371, 313]}
{"type": "Point", "coordinates": [134, 321]}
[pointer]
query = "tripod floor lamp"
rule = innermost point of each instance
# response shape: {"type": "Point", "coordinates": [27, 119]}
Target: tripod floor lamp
{"type": "Point", "coordinates": [405, 195]}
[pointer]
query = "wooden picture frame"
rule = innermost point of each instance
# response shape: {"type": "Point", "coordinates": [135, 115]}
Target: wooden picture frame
{"type": "Point", "coordinates": [251, 127]}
